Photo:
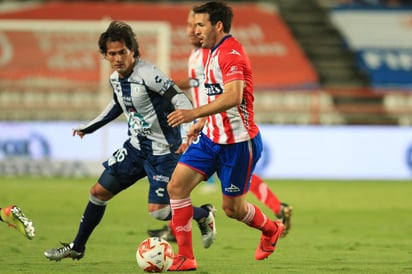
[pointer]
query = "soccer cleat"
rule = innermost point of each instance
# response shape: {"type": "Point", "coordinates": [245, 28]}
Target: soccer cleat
{"type": "Point", "coordinates": [66, 251]}
{"type": "Point", "coordinates": [285, 217]}
{"type": "Point", "coordinates": [165, 233]}
{"type": "Point", "coordinates": [181, 263]}
{"type": "Point", "coordinates": [267, 244]}
{"type": "Point", "coordinates": [15, 218]}
{"type": "Point", "coordinates": [207, 226]}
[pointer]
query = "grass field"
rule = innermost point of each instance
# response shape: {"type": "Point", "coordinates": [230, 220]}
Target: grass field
{"type": "Point", "coordinates": [338, 227]}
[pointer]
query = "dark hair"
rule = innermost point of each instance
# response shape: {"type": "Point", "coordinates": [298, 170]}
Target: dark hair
{"type": "Point", "coordinates": [218, 11]}
{"type": "Point", "coordinates": [122, 32]}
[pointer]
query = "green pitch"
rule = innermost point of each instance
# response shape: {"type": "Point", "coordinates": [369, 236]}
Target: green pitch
{"type": "Point", "coordinates": [338, 227]}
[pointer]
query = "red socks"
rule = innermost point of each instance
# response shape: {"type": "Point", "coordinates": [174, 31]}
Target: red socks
{"type": "Point", "coordinates": [261, 190]}
{"type": "Point", "coordinates": [182, 215]}
{"type": "Point", "coordinates": [257, 219]}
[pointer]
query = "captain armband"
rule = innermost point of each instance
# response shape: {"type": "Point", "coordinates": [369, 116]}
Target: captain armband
{"type": "Point", "coordinates": [172, 91]}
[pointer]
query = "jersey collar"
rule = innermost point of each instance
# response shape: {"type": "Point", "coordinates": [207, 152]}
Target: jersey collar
{"type": "Point", "coordinates": [221, 41]}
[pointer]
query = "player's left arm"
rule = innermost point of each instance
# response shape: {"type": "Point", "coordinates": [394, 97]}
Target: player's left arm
{"type": "Point", "coordinates": [180, 101]}
{"type": "Point", "coordinates": [157, 81]}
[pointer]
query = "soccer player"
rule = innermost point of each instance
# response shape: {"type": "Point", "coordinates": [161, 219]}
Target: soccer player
{"type": "Point", "coordinates": [14, 217]}
{"type": "Point", "coordinates": [225, 138]}
{"type": "Point", "coordinates": [146, 96]}
{"type": "Point", "coordinates": [196, 67]}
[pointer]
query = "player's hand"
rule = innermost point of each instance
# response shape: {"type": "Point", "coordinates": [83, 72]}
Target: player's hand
{"type": "Point", "coordinates": [182, 148]}
{"type": "Point", "coordinates": [191, 137]}
{"type": "Point", "coordinates": [78, 132]}
{"type": "Point", "coordinates": [194, 130]}
{"type": "Point", "coordinates": [179, 117]}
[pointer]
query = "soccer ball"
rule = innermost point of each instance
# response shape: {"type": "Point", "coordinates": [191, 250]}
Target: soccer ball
{"type": "Point", "coordinates": [154, 255]}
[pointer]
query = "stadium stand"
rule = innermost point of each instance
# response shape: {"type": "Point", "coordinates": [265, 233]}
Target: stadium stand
{"type": "Point", "coordinates": [341, 68]}
{"type": "Point", "coordinates": [322, 43]}
{"type": "Point", "coordinates": [335, 91]}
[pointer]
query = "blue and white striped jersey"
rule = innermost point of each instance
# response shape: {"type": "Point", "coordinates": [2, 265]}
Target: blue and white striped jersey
{"type": "Point", "coordinates": [146, 97]}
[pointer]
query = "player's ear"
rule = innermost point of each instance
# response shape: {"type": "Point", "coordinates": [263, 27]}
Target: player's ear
{"type": "Point", "coordinates": [219, 26]}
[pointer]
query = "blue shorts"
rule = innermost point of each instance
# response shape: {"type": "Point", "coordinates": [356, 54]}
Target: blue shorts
{"type": "Point", "coordinates": [233, 163]}
{"type": "Point", "coordinates": [128, 164]}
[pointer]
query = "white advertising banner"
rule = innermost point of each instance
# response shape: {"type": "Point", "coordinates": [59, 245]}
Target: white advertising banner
{"type": "Point", "coordinates": [295, 152]}
{"type": "Point", "coordinates": [336, 152]}
{"type": "Point", "coordinates": [370, 28]}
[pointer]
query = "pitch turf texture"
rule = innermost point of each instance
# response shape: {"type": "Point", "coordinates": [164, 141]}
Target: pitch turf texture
{"type": "Point", "coordinates": [338, 227]}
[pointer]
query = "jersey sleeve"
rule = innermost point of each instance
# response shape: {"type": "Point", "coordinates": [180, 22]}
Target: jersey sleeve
{"type": "Point", "coordinates": [111, 112]}
{"type": "Point", "coordinates": [155, 80]}
{"type": "Point", "coordinates": [232, 65]}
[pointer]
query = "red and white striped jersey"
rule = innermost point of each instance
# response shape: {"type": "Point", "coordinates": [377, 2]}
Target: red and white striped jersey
{"type": "Point", "coordinates": [227, 62]}
{"type": "Point", "coordinates": [196, 66]}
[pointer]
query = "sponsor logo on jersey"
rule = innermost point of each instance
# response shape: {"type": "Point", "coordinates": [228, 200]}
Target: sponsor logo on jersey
{"type": "Point", "coordinates": [128, 101]}
{"type": "Point", "coordinates": [234, 70]}
{"type": "Point", "coordinates": [166, 85]}
{"type": "Point", "coordinates": [213, 89]}
{"type": "Point", "coordinates": [138, 125]}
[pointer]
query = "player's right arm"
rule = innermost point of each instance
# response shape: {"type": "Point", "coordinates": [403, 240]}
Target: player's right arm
{"type": "Point", "coordinates": [232, 97]}
{"type": "Point", "coordinates": [111, 112]}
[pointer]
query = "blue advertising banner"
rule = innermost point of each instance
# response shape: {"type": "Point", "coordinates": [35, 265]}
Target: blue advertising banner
{"type": "Point", "coordinates": [387, 67]}
{"type": "Point", "coordinates": [382, 40]}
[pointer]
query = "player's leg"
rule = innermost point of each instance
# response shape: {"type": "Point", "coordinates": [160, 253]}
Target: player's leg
{"type": "Point", "coordinates": [238, 162]}
{"type": "Point", "coordinates": [253, 216]}
{"type": "Point", "coordinates": [165, 233]}
{"type": "Point", "coordinates": [282, 211]}
{"type": "Point", "coordinates": [92, 216]}
{"type": "Point", "coordinates": [100, 193]}
{"type": "Point", "coordinates": [14, 217]}
{"type": "Point", "coordinates": [158, 170]}
{"type": "Point", "coordinates": [196, 164]}
{"type": "Point", "coordinates": [205, 218]}
{"type": "Point", "coordinates": [182, 208]}
{"type": "Point", "coordinates": [264, 194]}
{"type": "Point", "coordinates": [159, 201]}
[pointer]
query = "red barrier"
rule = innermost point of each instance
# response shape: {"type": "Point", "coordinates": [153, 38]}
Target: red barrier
{"type": "Point", "coordinates": [277, 60]}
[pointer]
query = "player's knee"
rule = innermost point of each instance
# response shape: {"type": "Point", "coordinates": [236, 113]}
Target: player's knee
{"type": "Point", "coordinates": [177, 190]}
{"type": "Point", "coordinates": [234, 211]}
{"type": "Point", "coordinates": [230, 212]}
{"type": "Point", "coordinates": [162, 214]}
{"type": "Point", "coordinates": [94, 200]}
{"type": "Point", "coordinates": [170, 187]}
{"type": "Point", "coordinates": [100, 193]}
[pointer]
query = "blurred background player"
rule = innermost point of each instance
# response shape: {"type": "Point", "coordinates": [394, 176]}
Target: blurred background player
{"type": "Point", "coordinates": [145, 95]}
{"type": "Point", "coordinates": [196, 67]}
{"type": "Point", "coordinates": [14, 217]}
{"type": "Point", "coordinates": [226, 139]}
